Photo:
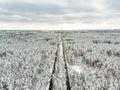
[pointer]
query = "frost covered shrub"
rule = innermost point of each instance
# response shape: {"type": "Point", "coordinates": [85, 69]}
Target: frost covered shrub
{"type": "Point", "coordinates": [26, 62]}
{"type": "Point", "coordinates": [3, 54]}
{"type": "Point", "coordinates": [113, 53]}
{"type": "Point", "coordinates": [99, 62]}
{"type": "Point", "coordinates": [93, 64]}
{"type": "Point", "coordinates": [98, 41]}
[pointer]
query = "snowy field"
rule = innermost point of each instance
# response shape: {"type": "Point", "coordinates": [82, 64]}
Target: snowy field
{"type": "Point", "coordinates": [94, 60]}
{"type": "Point", "coordinates": [52, 60]}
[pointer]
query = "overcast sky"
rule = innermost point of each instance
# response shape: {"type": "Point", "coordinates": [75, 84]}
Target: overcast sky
{"type": "Point", "coordinates": [59, 14]}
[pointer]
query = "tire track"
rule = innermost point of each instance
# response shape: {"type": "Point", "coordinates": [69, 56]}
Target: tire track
{"type": "Point", "coordinates": [66, 67]}
{"type": "Point", "coordinates": [53, 71]}
{"type": "Point", "coordinates": [60, 75]}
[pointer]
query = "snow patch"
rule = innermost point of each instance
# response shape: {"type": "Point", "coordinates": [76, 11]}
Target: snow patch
{"type": "Point", "coordinates": [76, 68]}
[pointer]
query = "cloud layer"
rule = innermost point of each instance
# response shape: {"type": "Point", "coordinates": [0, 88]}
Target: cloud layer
{"type": "Point", "coordinates": [61, 12]}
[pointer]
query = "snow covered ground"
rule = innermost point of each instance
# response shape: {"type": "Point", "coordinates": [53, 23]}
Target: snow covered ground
{"type": "Point", "coordinates": [26, 59]}
{"type": "Point", "coordinates": [94, 60]}
{"type": "Point", "coordinates": [73, 60]}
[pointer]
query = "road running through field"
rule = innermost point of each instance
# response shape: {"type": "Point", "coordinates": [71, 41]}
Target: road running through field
{"type": "Point", "coordinates": [60, 76]}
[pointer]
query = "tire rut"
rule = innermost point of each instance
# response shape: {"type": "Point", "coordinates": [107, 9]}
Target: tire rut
{"type": "Point", "coordinates": [53, 71]}
{"type": "Point", "coordinates": [66, 67]}
{"type": "Point", "coordinates": [60, 67]}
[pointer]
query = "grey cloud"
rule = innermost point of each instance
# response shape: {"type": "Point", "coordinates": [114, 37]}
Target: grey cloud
{"type": "Point", "coordinates": [43, 8]}
{"type": "Point", "coordinates": [113, 4]}
{"type": "Point", "coordinates": [41, 12]}
{"type": "Point", "coordinates": [85, 18]}
{"type": "Point", "coordinates": [32, 8]}
{"type": "Point", "coordinates": [36, 12]}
